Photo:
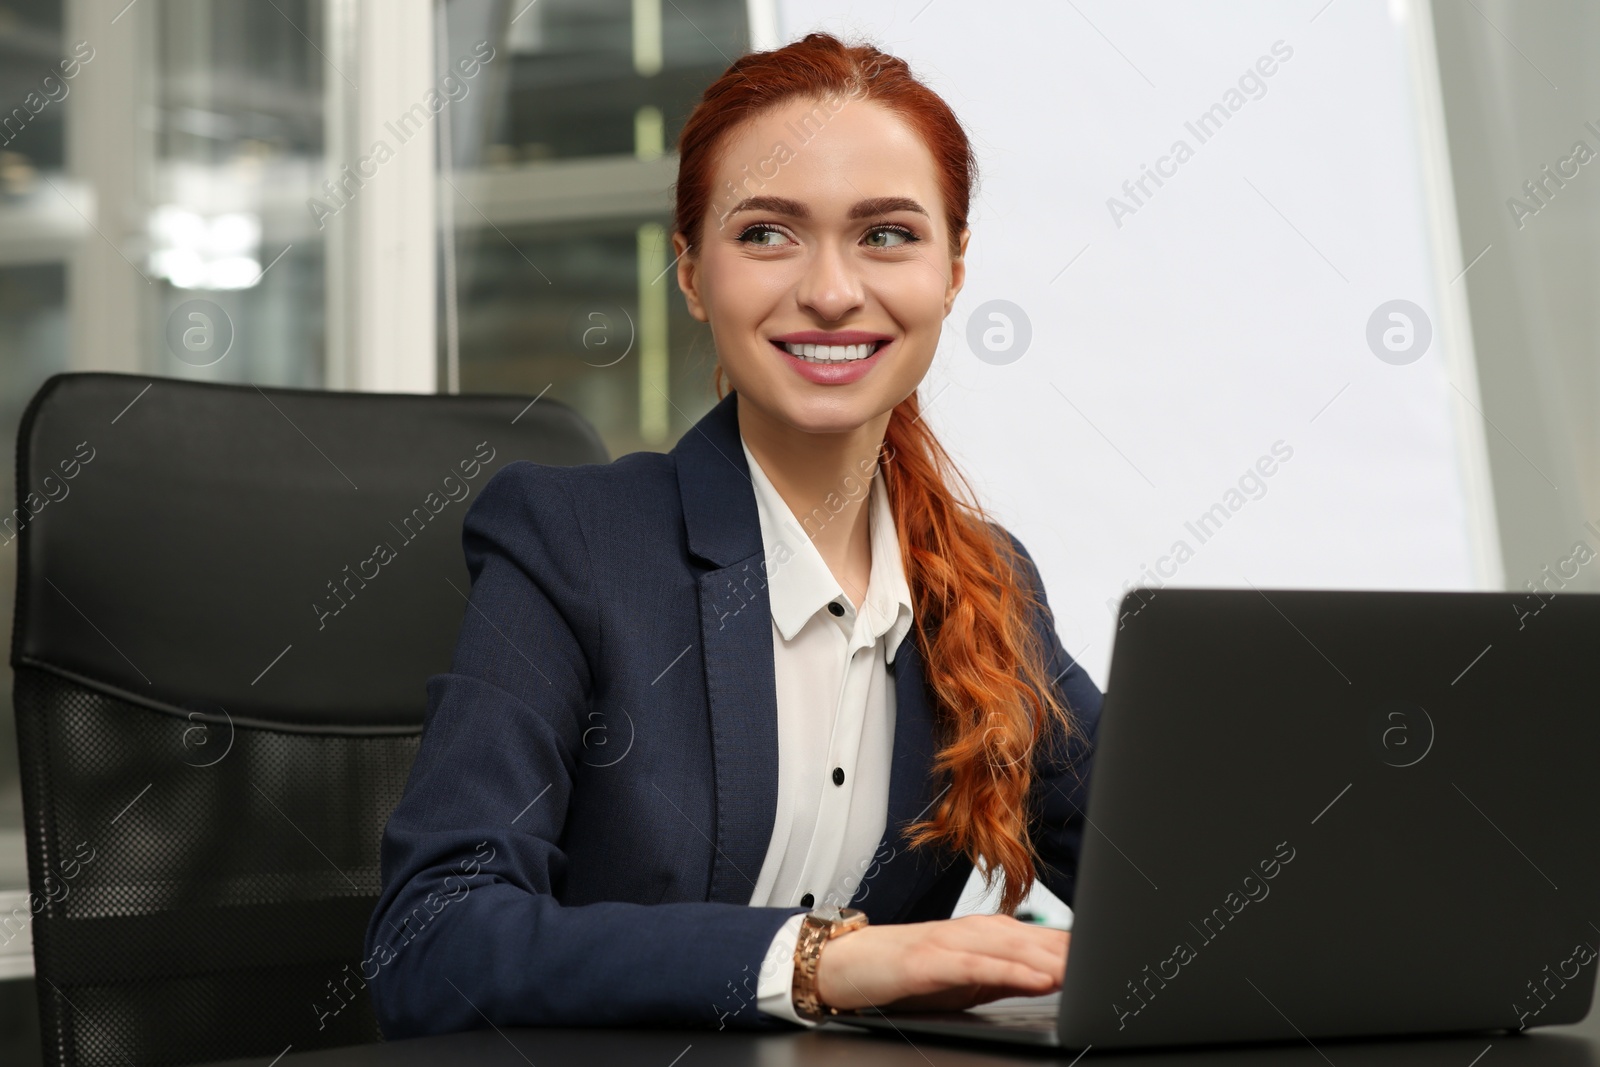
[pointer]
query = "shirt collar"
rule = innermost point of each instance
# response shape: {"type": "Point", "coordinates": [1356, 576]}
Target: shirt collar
{"type": "Point", "coordinates": [799, 583]}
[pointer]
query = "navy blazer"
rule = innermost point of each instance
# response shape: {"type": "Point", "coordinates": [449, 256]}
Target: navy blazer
{"type": "Point", "coordinates": [597, 779]}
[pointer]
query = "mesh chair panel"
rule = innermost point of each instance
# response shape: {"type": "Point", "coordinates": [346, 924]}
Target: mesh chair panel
{"type": "Point", "coordinates": [186, 872]}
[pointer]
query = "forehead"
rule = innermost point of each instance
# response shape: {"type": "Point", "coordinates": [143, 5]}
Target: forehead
{"type": "Point", "coordinates": [828, 156]}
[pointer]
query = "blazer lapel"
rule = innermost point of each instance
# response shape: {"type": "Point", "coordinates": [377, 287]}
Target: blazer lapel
{"type": "Point", "coordinates": [723, 528]}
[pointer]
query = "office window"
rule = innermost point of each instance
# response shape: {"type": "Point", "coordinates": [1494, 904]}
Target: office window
{"type": "Point", "coordinates": [558, 202]}
{"type": "Point", "coordinates": [235, 152]}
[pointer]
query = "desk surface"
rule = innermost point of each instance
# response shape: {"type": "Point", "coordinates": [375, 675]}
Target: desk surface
{"type": "Point", "coordinates": [1566, 1046]}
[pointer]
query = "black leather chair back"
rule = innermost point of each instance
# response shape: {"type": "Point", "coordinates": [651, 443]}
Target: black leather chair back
{"type": "Point", "coordinates": [229, 600]}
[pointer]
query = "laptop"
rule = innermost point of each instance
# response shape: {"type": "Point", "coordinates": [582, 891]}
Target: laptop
{"type": "Point", "coordinates": [1320, 814]}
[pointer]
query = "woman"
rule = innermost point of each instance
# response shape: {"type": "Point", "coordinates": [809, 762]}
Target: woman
{"type": "Point", "coordinates": [699, 695]}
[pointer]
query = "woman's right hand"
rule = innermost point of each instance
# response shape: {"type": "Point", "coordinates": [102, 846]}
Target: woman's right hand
{"type": "Point", "coordinates": [943, 965]}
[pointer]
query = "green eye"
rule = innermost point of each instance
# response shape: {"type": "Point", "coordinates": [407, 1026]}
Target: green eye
{"type": "Point", "coordinates": [905, 235]}
{"type": "Point", "coordinates": [759, 229]}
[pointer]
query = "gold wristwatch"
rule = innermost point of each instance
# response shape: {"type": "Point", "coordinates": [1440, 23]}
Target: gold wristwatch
{"type": "Point", "coordinates": [822, 924]}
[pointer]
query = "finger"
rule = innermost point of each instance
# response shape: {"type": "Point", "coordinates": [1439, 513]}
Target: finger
{"type": "Point", "coordinates": [1046, 961]}
{"type": "Point", "coordinates": [979, 969]}
{"type": "Point", "coordinates": [958, 998]}
{"type": "Point", "coordinates": [988, 927]}
{"type": "Point", "coordinates": [1039, 956]}
{"type": "Point", "coordinates": [1041, 948]}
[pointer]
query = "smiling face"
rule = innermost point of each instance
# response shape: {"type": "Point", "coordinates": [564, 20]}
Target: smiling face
{"type": "Point", "coordinates": [827, 283]}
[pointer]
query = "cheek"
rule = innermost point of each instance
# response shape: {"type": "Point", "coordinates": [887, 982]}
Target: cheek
{"type": "Point", "coordinates": [915, 292]}
{"type": "Point", "coordinates": [916, 303]}
{"type": "Point", "coordinates": [738, 302]}
{"type": "Point", "coordinates": [915, 360]}
{"type": "Point", "coordinates": [738, 294]}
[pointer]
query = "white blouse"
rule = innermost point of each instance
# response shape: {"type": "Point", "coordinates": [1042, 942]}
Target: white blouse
{"type": "Point", "coordinates": [835, 715]}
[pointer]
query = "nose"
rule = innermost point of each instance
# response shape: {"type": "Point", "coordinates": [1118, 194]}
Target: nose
{"type": "Point", "coordinates": [831, 284]}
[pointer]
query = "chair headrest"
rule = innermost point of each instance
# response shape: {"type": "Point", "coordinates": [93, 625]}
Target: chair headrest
{"type": "Point", "coordinates": [284, 557]}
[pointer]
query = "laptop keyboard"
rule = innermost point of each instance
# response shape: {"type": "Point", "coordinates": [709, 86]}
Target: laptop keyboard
{"type": "Point", "coordinates": [1039, 1015]}
{"type": "Point", "coordinates": [1044, 1024]}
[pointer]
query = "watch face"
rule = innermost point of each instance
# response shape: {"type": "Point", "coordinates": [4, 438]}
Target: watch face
{"type": "Point", "coordinates": [828, 913]}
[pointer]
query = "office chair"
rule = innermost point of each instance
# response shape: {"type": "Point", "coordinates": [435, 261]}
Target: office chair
{"type": "Point", "coordinates": [229, 599]}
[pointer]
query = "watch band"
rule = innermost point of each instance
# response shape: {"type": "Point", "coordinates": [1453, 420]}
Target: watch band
{"type": "Point", "coordinates": [821, 925]}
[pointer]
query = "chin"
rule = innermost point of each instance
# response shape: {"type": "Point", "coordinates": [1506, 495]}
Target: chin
{"type": "Point", "coordinates": [830, 414]}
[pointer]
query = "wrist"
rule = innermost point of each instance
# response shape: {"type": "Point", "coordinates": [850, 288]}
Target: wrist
{"type": "Point", "coordinates": [820, 926]}
{"type": "Point", "coordinates": [831, 996]}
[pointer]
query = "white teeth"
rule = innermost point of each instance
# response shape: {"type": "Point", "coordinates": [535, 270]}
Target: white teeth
{"type": "Point", "coordinates": [831, 353]}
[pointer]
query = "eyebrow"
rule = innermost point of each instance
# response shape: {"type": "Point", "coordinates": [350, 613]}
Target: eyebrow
{"type": "Point", "coordinates": [862, 209]}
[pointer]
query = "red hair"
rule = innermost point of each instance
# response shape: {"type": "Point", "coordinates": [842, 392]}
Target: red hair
{"type": "Point", "coordinates": [973, 604]}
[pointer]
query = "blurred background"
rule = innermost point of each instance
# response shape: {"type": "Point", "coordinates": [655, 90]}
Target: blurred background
{"type": "Point", "coordinates": [475, 196]}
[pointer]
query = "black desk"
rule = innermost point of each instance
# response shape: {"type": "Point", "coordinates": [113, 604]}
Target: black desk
{"type": "Point", "coordinates": [1574, 1046]}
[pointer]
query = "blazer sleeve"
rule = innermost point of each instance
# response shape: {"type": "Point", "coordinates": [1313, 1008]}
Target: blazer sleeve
{"type": "Point", "coordinates": [467, 930]}
{"type": "Point", "coordinates": [1059, 793]}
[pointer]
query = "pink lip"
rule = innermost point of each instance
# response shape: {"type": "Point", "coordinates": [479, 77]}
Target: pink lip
{"type": "Point", "coordinates": [832, 373]}
{"type": "Point", "coordinates": [823, 337]}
